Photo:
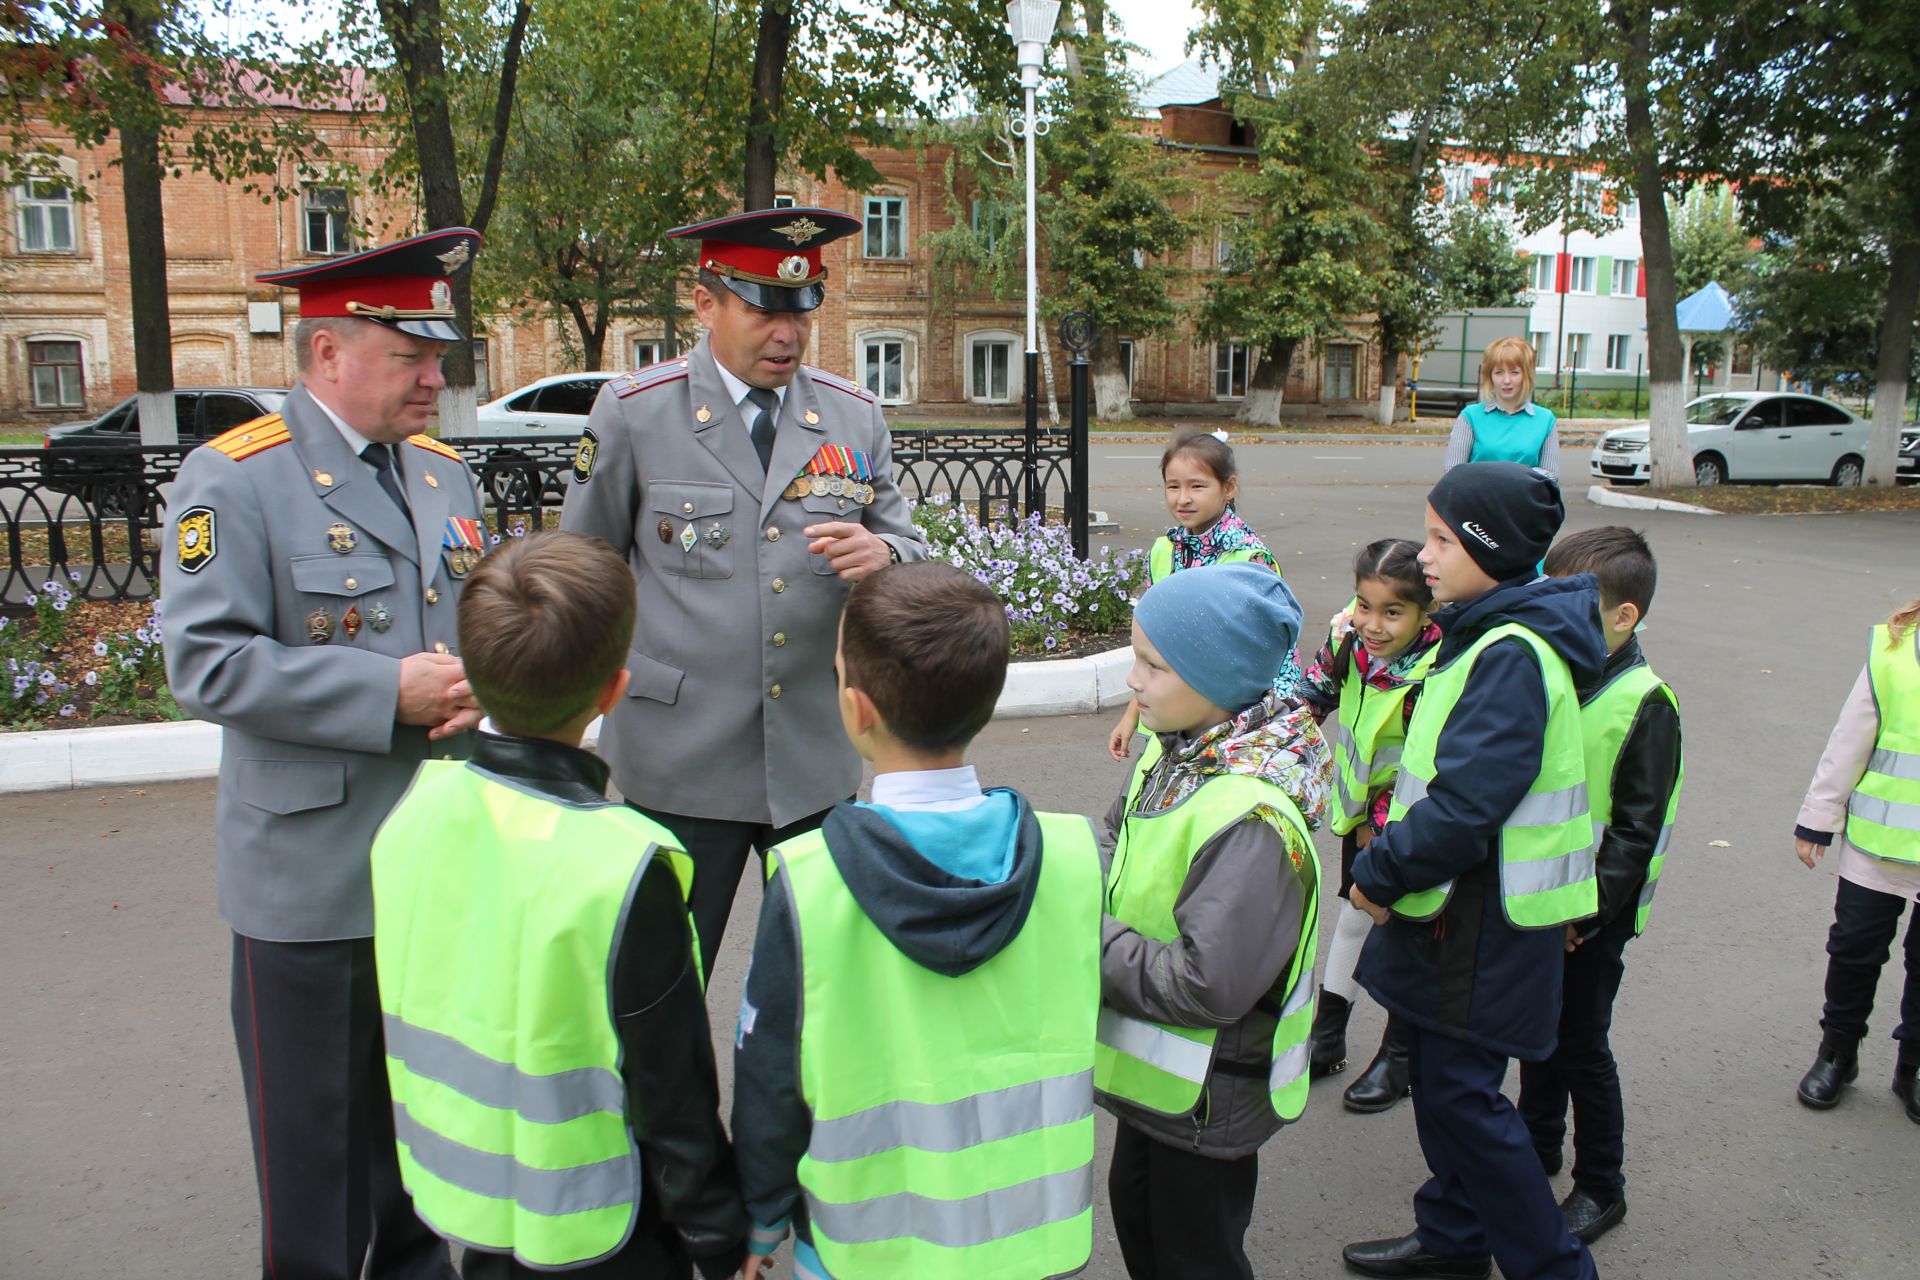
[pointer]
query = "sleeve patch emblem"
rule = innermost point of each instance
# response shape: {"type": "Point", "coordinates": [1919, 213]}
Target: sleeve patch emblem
{"type": "Point", "coordinates": [195, 532]}
{"type": "Point", "coordinates": [583, 459]}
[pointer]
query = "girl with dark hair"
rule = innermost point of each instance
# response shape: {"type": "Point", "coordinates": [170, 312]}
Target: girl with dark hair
{"type": "Point", "coordinates": [1362, 686]}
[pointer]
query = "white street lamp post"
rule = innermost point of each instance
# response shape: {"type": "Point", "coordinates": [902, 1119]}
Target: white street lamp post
{"type": "Point", "coordinates": [1031, 23]}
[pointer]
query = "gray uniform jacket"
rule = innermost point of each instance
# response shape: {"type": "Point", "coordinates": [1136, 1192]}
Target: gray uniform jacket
{"type": "Point", "coordinates": [272, 540]}
{"type": "Point", "coordinates": [732, 709]}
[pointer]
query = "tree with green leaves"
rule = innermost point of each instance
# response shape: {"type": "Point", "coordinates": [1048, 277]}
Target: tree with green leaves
{"type": "Point", "coordinates": [1709, 244]}
{"type": "Point", "coordinates": [1478, 264]}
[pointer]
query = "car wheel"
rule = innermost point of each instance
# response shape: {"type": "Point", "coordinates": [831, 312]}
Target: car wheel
{"type": "Point", "coordinates": [1709, 469]}
{"type": "Point", "coordinates": [1848, 472]}
{"type": "Point", "coordinates": [112, 498]}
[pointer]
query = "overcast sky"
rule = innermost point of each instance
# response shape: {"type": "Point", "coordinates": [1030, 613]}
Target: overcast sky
{"type": "Point", "coordinates": [1158, 26]}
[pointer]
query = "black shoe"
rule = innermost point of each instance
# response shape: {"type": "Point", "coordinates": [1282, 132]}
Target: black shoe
{"type": "Point", "coordinates": [1384, 1082]}
{"type": "Point", "coordinates": [1906, 1084]}
{"type": "Point", "coordinates": [1588, 1218]}
{"type": "Point", "coordinates": [1329, 1038]}
{"type": "Point", "coordinates": [1837, 1067]}
{"type": "Point", "coordinates": [1405, 1256]}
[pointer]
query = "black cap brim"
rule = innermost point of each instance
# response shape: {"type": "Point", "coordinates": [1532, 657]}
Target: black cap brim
{"type": "Point", "coordinates": [431, 330]}
{"type": "Point", "coordinates": [773, 297]}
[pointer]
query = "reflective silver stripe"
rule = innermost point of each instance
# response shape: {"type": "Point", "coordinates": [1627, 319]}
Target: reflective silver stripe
{"type": "Point", "coordinates": [768, 1237]}
{"type": "Point", "coordinates": [1904, 765]}
{"type": "Point", "coordinates": [1646, 891]}
{"type": "Point", "coordinates": [1544, 875]}
{"type": "Point", "coordinates": [1409, 789]}
{"type": "Point", "coordinates": [554, 1099]}
{"type": "Point", "coordinates": [1887, 813]}
{"type": "Point", "coordinates": [1387, 756]}
{"type": "Point", "coordinates": [1337, 736]}
{"type": "Point", "coordinates": [1289, 1066]}
{"type": "Point", "coordinates": [801, 1271]}
{"type": "Point", "coordinates": [956, 1125]}
{"type": "Point", "coordinates": [958, 1224]}
{"type": "Point", "coordinates": [1666, 838]}
{"type": "Point", "coordinates": [1155, 1046]}
{"type": "Point", "coordinates": [607, 1184]}
{"type": "Point", "coordinates": [1549, 808]}
{"type": "Point", "coordinates": [1298, 998]}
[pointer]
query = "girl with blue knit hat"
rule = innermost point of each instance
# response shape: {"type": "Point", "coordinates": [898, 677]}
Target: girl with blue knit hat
{"type": "Point", "coordinates": [1209, 929]}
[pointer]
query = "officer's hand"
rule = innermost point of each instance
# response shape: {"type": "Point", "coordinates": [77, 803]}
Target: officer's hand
{"type": "Point", "coordinates": [1379, 913]}
{"type": "Point", "coordinates": [853, 549]}
{"type": "Point", "coordinates": [433, 691]}
{"type": "Point", "coordinates": [467, 718]}
{"type": "Point", "coordinates": [1808, 852]}
{"type": "Point", "coordinates": [1573, 938]}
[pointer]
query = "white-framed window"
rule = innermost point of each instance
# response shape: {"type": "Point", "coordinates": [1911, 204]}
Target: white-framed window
{"type": "Point", "coordinates": [57, 374]}
{"type": "Point", "coordinates": [1342, 361]}
{"type": "Point", "coordinates": [43, 216]}
{"type": "Point", "coordinates": [1223, 249]}
{"type": "Point", "coordinates": [1459, 183]}
{"type": "Point", "coordinates": [1580, 275]}
{"type": "Point", "coordinates": [1619, 348]}
{"type": "Point", "coordinates": [1629, 207]}
{"type": "Point", "coordinates": [1626, 277]}
{"type": "Point", "coordinates": [1540, 272]}
{"type": "Point", "coordinates": [1587, 192]}
{"type": "Point", "coordinates": [886, 227]}
{"type": "Point", "coordinates": [642, 352]}
{"type": "Point", "coordinates": [1231, 363]}
{"type": "Point", "coordinates": [1576, 351]}
{"type": "Point", "coordinates": [991, 375]}
{"type": "Point", "coordinates": [991, 220]}
{"type": "Point", "coordinates": [1126, 363]}
{"type": "Point", "coordinates": [482, 371]}
{"type": "Point", "coordinates": [784, 202]}
{"type": "Point", "coordinates": [886, 366]}
{"type": "Point", "coordinates": [324, 213]}
{"type": "Point", "coordinates": [1540, 341]}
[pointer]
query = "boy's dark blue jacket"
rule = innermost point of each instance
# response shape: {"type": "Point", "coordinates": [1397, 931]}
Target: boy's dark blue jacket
{"type": "Point", "coordinates": [1468, 973]}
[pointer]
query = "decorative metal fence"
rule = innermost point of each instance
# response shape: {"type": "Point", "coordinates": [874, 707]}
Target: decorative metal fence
{"type": "Point", "coordinates": [94, 515]}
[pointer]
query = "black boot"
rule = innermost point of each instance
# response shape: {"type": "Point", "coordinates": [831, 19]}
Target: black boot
{"type": "Point", "coordinates": [1384, 1082]}
{"type": "Point", "coordinates": [1835, 1069]}
{"type": "Point", "coordinates": [1329, 1039]}
{"type": "Point", "coordinates": [1906, 1086]}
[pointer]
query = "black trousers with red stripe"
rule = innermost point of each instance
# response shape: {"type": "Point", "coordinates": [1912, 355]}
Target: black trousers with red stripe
{"type": "Point", "coordinates": [306, 1016]}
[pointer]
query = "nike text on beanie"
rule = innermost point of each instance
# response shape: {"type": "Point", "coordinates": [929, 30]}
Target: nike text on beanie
{"type": "Point", "coordinates": [1505, 514]}
{"type": "Point", "coordinates": [1226, 629]}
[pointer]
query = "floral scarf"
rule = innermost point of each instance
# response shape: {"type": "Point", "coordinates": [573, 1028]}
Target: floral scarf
{"type": "Point", "coordinates": [1274, 739]}
{"type": "Point", "coordinates": [1228, 533]}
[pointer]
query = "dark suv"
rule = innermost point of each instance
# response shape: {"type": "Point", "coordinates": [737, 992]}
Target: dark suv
{"type": "Point", "coordinates": [92, 460]}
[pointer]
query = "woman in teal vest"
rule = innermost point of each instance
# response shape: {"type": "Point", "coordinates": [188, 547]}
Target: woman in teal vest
{"type": "Point", "coordinates": [1206, 969]}
{"type": "Point", "coordinates": [1505, 425]}
{"type": "Point", "coordinates": [1868, 789]}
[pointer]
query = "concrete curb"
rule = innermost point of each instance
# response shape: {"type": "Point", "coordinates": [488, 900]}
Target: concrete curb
{"type": "Point", "coordinates": [127, 755]}
{"type": "Point", "coordinates": [1602, 496]}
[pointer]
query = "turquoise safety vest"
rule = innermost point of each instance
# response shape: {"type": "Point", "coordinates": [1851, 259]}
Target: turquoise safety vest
{"type": "Point", "coordinates": [1606, 718]}
{"type": "Point", "coordinates": [1499, 436]}
{"type": "Point", "coordinates": [952, 1117]}
{"type": "Point", "coordinates": [497, 916]}
{"type": "Point", "coordinates": [1546, 843]}
{"type": "Point", "coordinates": [1883, 814]}
{"type": "Point", "coordinates": [1159, 1066]}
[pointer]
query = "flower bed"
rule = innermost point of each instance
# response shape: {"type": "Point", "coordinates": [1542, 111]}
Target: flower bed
{"type": "Point", "coordinates": [75, 662]}
{"type": "Point", "coordinates": [1056, 604]}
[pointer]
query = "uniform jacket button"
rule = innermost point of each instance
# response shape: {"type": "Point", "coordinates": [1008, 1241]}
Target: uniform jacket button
{"type": "Point", "coordinates": [779, 584]}
{"type": "Point", "coordinates": [779, 638]}
{"type": "Point", "coordinates": [352, 583]}
{"type": "Point", "coordinates": [433, 595]}
{"type": "Point", "coordinates": [773, 534]}
{"type": "Point", "coordinates": [774, 692]}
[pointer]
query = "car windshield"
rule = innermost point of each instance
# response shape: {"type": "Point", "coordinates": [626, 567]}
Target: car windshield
{"type": "Point", "coordinates": [1714, 411]}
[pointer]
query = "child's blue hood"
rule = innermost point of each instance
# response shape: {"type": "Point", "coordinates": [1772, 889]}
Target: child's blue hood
{"type": "Point", "coordinates": [1565, 612]}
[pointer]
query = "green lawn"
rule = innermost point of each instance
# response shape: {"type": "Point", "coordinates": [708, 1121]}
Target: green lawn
{"type": "Point", "coordinates": [21, 439]}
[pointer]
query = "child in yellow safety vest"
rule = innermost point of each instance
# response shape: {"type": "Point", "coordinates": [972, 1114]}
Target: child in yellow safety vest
{"type": "Point", "coordinates": [913, 1065]}
{"type": "Point", "coordinates": [1630, 726]}
{"type": "Point", "coordinates": [1867, 788]}
{"type": "Point", "coordinates": [1202, 483]}
{"type": "Point", "coordinates": [1206, 967]}
{"type": "Point", "coordinates": [1367, 678]}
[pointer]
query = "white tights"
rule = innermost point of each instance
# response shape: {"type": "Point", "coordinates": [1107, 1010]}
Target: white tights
{"type": "Point", "coordinates": [1350, 929]}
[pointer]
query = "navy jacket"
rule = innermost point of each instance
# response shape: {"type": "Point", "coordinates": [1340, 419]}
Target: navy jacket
{"type": "Point", "coordinates": [1468, 973]}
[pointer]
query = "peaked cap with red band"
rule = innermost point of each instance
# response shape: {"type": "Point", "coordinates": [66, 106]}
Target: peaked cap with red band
{"type": "Point", "coordinates": [770, 258]}
{"type": "Point", "coordinates": [401, 285]}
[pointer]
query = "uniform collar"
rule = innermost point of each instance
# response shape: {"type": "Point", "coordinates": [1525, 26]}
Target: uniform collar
{"type": "Point", "coordinates": [354, 440]}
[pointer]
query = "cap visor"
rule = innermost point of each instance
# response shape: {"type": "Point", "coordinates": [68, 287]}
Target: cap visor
{"type": "Point", "coordinates": [770, 297]}
{"type": "Point", "coordinates": [432, 330]}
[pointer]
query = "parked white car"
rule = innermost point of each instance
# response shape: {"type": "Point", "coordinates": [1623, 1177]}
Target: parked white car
{"type": "Point", "coordinates": [556, 406]}
{"type": "Point", "coordinates": [1749, 436]}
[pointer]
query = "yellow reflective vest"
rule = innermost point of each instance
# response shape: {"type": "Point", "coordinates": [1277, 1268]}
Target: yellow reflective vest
{"type": "Point", "coordinates": [1883, 814]}
{"type": "Point", "coordinates": [1606, 718]}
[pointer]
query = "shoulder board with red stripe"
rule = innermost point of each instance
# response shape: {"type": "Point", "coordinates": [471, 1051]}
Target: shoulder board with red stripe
{"type": "Point", "coordinates": [839, 383]}
{"type": "Point", "coordinates": [250, 438]}
{"type": "Point", "coordinates": [654, 375]}
{"type": "Point", "coordinates": [434, 446]}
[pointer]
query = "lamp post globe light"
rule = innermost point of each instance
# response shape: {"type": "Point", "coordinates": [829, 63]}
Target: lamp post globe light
{"type": "Point", "coordinates": [1030, 23]}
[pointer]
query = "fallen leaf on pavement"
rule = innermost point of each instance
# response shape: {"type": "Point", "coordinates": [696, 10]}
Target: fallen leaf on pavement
{"type": "Point", "coordinates": [1721, 844]}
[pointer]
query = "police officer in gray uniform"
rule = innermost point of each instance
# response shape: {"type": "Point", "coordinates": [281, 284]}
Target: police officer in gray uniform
{"type": "Point", "coordinates": [313, 562]}
{"type": "Point", "coordinates": [748, 492]}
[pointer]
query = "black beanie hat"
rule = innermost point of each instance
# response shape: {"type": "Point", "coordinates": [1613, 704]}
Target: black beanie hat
{"type": "Point", "coordinates": [1505, 514]}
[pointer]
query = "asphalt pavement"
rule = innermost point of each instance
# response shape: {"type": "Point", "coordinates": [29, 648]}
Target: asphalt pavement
{"type": "Point", "coordinates": [123, 1145]}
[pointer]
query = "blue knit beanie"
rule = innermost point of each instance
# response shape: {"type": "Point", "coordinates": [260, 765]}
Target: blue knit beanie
{"type": "Point", "coordinates": [1226, 629]}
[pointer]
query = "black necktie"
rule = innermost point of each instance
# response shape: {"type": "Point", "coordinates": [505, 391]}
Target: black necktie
{"type": "Point", "coordinates": [382, 459]}
{"type": "Point", "coordinates": [762, 429]}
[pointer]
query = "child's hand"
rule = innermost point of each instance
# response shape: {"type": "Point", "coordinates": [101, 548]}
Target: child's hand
{"type": "Point", "coordinates": [756, 1263]}
{"type": "Point", "coordinates": [1120, 741]}
{"type": "Point", "coordinates": [1573, 938]}
{"type": "Point", "coordinates": [1379, 913]}
{"type": "Point", "coordinates": [1808, 852]}
{"type": "Point", "coordinates": [1341, 624]}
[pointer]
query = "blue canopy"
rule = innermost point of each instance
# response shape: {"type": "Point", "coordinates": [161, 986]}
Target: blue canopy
{"type": "Point", "coordinates": [1708, 311]}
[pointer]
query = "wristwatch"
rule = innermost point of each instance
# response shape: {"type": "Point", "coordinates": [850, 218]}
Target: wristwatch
{"type": "Point", "coordinates": [893, 554]}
